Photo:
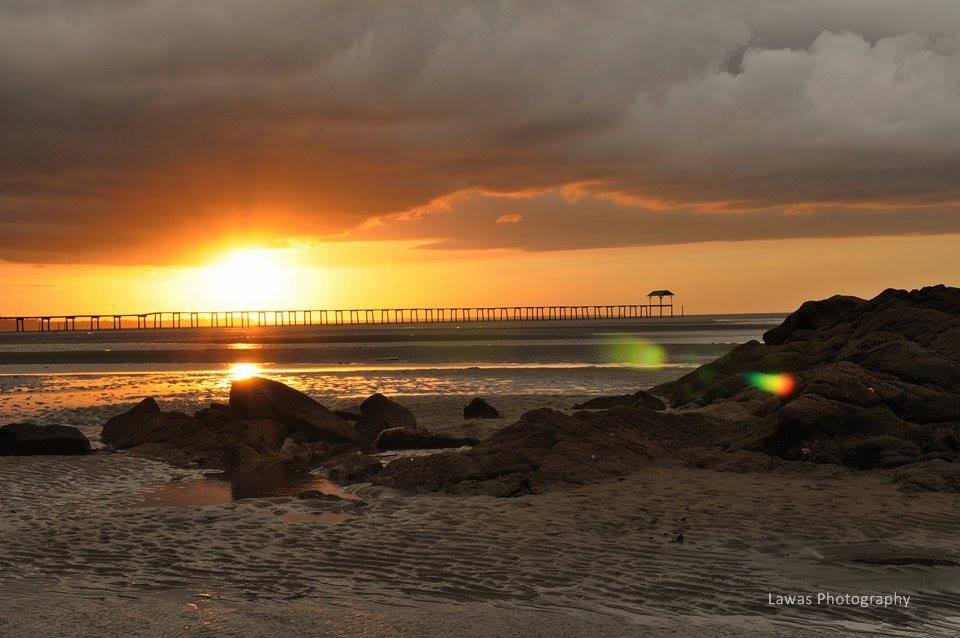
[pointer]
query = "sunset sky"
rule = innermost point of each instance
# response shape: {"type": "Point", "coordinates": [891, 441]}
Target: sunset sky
{"type": "Point", "coordinates": [748, 154]}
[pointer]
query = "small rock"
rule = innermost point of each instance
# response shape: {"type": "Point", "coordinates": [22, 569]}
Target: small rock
{"type": "Point", "coordinates": [480, 409]}
{"type": "Point", "coordinates": [378, 413]}
{"type": "Point", "coordinates": [353, 468]}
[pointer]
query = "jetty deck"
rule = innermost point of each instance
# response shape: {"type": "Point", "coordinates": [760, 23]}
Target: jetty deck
{"type": "Point", "coordinates": [329, 317]}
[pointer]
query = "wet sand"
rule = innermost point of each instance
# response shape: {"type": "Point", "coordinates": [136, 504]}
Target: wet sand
{"type": "Point", "coordinates": [91, 549]}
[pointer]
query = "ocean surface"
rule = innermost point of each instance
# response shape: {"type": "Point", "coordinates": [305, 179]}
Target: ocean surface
{"type": "Point", "coordinates": [80, 378]}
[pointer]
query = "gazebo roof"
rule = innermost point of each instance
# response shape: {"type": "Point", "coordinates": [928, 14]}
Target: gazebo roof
{"type": "Point", "coordinates": [660, 293]}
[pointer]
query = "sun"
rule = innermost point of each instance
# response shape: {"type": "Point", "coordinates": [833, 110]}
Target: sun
{"type": "Point", "coordinates": [249, 279]}
{"type": "Point", "coordinates": [241, 371]}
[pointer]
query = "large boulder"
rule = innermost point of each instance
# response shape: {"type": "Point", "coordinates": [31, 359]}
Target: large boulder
{"type": "Point", "coordinates": [480, 409]}
{"type": "Point", "coordinates": [872, 384]}
{"type": "Point", "coordinates": [639, 399]}
{"type": "Point", "coordinates": [378, 413]}
{"type": "Point", "coordinates": [22, 439]}
{"type": "Point", "coordinates": [259, 398]}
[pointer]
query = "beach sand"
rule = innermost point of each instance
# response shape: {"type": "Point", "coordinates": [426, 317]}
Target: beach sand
{"type": "Point", "coordinates": [115, 544]}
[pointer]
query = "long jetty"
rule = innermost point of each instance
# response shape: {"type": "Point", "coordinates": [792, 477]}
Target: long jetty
{"type": "Point", "coordinates": [336, 317]}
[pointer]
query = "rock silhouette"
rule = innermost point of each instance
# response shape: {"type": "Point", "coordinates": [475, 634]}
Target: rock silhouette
{"type": "Point", "coordinates": [877, 383]}
{"type": "Point", "coordinates": [25, 439]}
{"type": "Point", "coordinates": [259, 398]}
{"type": "Point", "coordinates": [639, 399]}
{"type": "Point", "coordinates": [480, 409]}
{"type": "Point", "coordinates": [378, 413]}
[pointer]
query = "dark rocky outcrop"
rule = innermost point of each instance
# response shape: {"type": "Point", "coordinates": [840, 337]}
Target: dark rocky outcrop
{"type": "Point", "coordinates": [259, 398]}
{"type": "Point", "coordinates": [378, 413]}
{"type": "Point", "coordinates": [146, 423]}
{"type": "Point", "coordinates": [547, 449]}
{"type": "Point", "coordinates": [480, 409]}
{"type": "Point", "coordinates": [639, 399]}
{"type": "Point", "coordinates": [24, 439]}
{"type": "Point", "coordinates": [404, 439]}
{"type": "Point", "coordinates": [872, 384]}
{"type": "Point", "coordinates": [877, 383]}
{"type": "Point", "coordinates": [348, 415]}
{"type": "Point", "coordinates": [208, 439]}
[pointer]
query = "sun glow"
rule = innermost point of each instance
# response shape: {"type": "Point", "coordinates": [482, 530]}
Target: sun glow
{"type": "Point", "coordinates": [241, 371]}
{"type": "Point", "coordinates": [250, 279]}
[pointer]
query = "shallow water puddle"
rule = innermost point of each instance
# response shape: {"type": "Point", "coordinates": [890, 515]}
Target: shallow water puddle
{"type": "Point", "coordinates": [189, 493]}
{"type": "Point", "coordinates": [268, 481]}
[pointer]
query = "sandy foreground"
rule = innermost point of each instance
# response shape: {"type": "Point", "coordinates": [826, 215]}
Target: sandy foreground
{"type": "Point", "coordinates": [115, 544]}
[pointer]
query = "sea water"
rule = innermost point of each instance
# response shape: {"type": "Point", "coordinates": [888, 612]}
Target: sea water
{"type": "Point", "coordinates": [79, 377]}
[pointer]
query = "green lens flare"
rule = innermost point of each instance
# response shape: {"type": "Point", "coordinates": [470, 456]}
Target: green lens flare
{"type": "Point", "coordinates": [639, 353]}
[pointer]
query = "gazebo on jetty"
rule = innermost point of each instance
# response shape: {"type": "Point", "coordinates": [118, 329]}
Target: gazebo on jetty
{"type": "Point", "coordinates": [661, 304]}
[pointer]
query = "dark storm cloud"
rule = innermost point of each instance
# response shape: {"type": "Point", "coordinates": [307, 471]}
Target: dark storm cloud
{"type": "Point", "coordinates": [129, 130]}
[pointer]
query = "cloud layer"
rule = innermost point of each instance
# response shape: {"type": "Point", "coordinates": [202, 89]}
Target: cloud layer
{"type": "Point", "coordinates": [133, 131]}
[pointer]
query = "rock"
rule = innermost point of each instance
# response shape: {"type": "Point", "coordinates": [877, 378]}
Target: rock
{"type": "Point", "coordinates": [378, 413]}
{"type": "Point", "coordinates": [296, 449]}
{"type": "Point", "coordinates": [218, 415]}
{"type": "Point", "coordinates": [547, 450]}
{"type": "Point", "coordinates": [876, 384]}
{"type": "Point", "coordinates": [936, 475]}
{"type": "Point", "coordinates": [348, 415]}
{"type": "Point", "coordinates": [212, 439]}
{"type": "Point", "coordinates": [813, 315]}
{"type": "Point", "coordinates": [259, 398]}
{"type": "Point", "coordinates": [403, 439]}
{"type": "Point", "coordinates": [22, 439]}
{"type": "Point", "coordinates": [240, 443]}
{"type": "Point", "coordinates": [882, 451]}
{"type": "Point", "coordinates": [146, 423]}
{"type": "Point", "coordinates": [638, 399]}
{"type": "Point", "coordinates": [353, 468]}
{"type": "Point", "coordinates": [480, 409]}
